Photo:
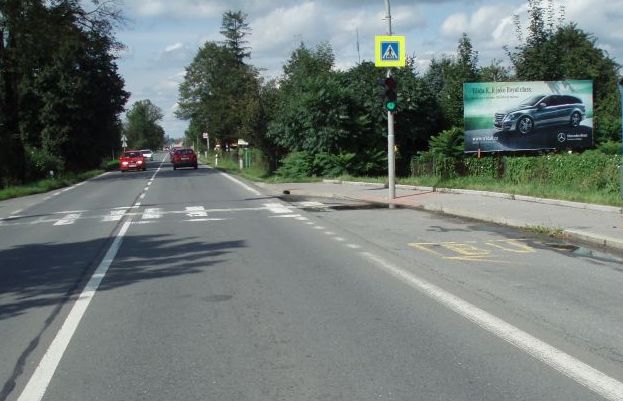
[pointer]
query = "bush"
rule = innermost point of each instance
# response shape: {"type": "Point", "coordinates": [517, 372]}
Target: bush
{"type": "Point", "coordinates": [329, 165]}
{"type": "Point", "coordinates": [110, 165]}
{"type": "Point", "coordinates": [40, 163]}
{"type": "Point", "coordinates": [296, 165]}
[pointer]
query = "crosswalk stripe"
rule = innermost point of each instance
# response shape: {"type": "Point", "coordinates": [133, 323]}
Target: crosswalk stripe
{"type": "Point", "coordinates": [68, 219]}
{"type": "Point", "coordinates": [152, 213]}
{"type": "Point", "coordinates": [115, 215]}
{"type": "Point", "coordinates": [196, 211]}
{"type": "Point", "coordinates": [277, 208]}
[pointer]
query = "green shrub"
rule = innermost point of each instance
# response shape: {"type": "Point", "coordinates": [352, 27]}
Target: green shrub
{"type": "Point", "coordinates": [296, 165]}
{"type": "Point", "coordinates": [110, 165]}
{"type": "Point", "coordinates": [40, 163]}
{"type": "Point", "coordinates": [330, 165]}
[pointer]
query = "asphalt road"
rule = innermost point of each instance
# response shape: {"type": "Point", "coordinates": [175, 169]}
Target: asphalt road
{"type": "Point", "coordinates": [198, 288]}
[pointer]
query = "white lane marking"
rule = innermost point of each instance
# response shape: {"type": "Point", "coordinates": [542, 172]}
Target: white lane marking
{"type": "Point", "coordinates": [142, 196]}
{"type": "Point", "coordinates": [146, 189]}
{"type": "Point", "coordinates": [152, 213]}
{"type": "Point", "coordinates": [18, 211]}
{"type": "Point", "coordinates": [115, 215]}
{"type": "Point", "coordinates": [68, 219]}
{"type": "Point", "coordinates": [277, 208]}
{"type": "Point", "coordinates": [319, 227]}
{"type": "Point", "coordinates": [206, 219]}
{"type": "Point", "coordinates": [593, 379]}
{"type": "Point", "coordinates": [329, 232]}
{"type": "Point", "coordinates": [339, 239]}
{"type": "Point", "coordinates": [281, 216]}
{"type": "Point", "coordinates": [136, 205]}
{"type": "Point", "coordinates": [70, 211]}
{"type": "Point", "coordinates": [242, 184]}
{"type": "Point", "coordinates": [56, 193]}
{"type": "Point", "coordinates": [309, 223]}
{"type": "Point", "coordinates": [150, 182]}
{"type": "Point", "coordinates": [301, 218]}
{"type": "Point", "coordinates": [39, 381]}
{"type": "Point", "coordinates": [122, 207]}
{"type": "Point", "coordinates": [353, 246]}
{"type": "Point", "coordinates": [310, 204]}
{"type": "Point", "coordinates": [196, 211]}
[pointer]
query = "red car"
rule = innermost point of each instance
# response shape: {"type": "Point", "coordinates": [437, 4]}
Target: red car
{"type": "Point", "coordinates": [132, 160]}
{"type": "Point", "coordinates": [184, 157]}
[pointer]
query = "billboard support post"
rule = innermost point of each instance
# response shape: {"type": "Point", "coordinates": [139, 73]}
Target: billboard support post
{"type": "Point", "coordinates": [621, 161]}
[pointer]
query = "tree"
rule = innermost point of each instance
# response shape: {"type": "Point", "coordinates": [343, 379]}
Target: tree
{"type": "Point", "coordinates": [142, 128]}
{"type": "Point", "coordinates": [235, 28]}
{"type": "Point", "coordinates": [570, 53]}
{"type": "Point", "coordinates": [447, 76]}
{"type": "Point", "coordinates": [218, 87]}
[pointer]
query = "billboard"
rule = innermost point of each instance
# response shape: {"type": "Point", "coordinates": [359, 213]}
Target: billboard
{"type": "Point", "coordinates": [521, 116]}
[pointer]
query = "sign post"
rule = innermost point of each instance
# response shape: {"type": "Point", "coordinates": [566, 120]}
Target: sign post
{"type": "Point", "coordinates": [390, 51]}
{"type": "Point", "coordinates": [206, 136]}
{"type": "Point", "coordinates": [124, 142]}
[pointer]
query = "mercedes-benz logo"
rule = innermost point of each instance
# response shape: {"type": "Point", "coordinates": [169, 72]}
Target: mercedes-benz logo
{"type": "Point", "coordinates": [562, 137]}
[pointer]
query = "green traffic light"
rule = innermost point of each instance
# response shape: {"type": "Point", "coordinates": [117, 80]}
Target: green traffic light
{"type": "Point", "coordinates": [390, 106]}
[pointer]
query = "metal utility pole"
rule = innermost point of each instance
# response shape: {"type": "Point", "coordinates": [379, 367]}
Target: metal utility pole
{"type": "Point", "coordinates": [391, 163]}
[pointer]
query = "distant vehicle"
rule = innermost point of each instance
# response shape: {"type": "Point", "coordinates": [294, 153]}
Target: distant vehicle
{"type": "Point", "coordinates": [184, 157]}
{"type": "Point", "coordinates": [148, 153]}
{"type": "Point", "coordinates": [540, 111]}
{"type": "Point", "coordinates": [132, 160]}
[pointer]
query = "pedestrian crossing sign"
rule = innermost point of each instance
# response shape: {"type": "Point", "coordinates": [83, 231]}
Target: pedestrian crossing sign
{"type": "Point", "coordinates": [389, 51]}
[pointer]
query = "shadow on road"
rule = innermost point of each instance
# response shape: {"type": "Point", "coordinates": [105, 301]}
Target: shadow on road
{"type": "Point", "coordinates": [40, 275]}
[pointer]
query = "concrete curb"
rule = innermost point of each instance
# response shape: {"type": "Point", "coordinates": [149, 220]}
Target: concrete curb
{"type": "Point", "coordinates": [523, 198]}
{"type": "Point", "coordinates": [589, 238]}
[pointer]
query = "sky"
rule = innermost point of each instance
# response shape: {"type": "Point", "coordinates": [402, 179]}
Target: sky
{"type": "Point", "coordinates": [163, 36]}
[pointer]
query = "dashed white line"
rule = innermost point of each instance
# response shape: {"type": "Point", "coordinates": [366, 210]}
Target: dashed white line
{"type": "Point", "coordinates": [353, 246]}
{"type": "Point", "coordinates": [597, 381]}
{"type": "Point", "coordinates": [339, 239]}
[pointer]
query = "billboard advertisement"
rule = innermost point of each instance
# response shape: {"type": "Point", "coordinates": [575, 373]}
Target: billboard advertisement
{"type": "Point", "coordinates": [523, 116]}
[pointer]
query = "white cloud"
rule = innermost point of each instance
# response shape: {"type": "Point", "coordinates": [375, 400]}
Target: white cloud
{"type": "Point", "coordinates": [173, 47]}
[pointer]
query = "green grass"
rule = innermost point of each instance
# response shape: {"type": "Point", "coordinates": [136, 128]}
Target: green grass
{"type": "Point", "coordinates": [46, 185]}
{"type": "Point", "coordinates": [569, 192]}
{"type": "Point", "coordinates": [256, 173]}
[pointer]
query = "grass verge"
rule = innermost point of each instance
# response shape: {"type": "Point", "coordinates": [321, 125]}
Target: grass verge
{"type": "Point", "coordinates": [46, 185]}
{"type": "Point", "coordinates": [567, 192]}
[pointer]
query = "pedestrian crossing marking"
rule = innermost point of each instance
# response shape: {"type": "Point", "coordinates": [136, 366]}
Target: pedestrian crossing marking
{"type": "Point", "coordinates": [68, 219]}
{"type": "Point", "coordinates": [196, 211]}
{"type": "Point", "coordinates": [152, 213]}
{"type": "Point", "coordinates": [115, 215]}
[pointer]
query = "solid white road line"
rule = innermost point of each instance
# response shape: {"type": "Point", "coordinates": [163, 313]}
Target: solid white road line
{"type": "Point", "coordinates": [152, 213]}
{"type": "Point", "coordinates": [242, 184]}
{"type": "Point", "coordinates": [599, 382]}
{"type": "Point", "coordinates": [39, 381]}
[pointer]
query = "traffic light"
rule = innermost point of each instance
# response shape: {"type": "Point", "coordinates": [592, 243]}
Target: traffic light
{"type": "Point", "coordinates": [390, 94]}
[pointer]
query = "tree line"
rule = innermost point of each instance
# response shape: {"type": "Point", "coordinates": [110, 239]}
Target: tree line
{"type": "Point", "coordinates": [60, 92]}
{"type": "Point", "coordinates": [315, 119]}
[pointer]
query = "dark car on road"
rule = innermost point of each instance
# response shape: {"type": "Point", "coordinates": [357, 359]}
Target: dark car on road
{"type": "Point", "coordinates": [184, 157]}
{"type": "Point", "coordinates": [540, 111]}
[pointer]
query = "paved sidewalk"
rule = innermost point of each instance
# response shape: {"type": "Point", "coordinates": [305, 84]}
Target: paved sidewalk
{"type": "Point", "coordinates": [594, 224]}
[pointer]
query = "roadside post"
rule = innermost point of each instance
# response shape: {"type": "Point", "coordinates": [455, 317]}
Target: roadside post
{"type": "Point", "coordinates": [124, 142]}
{"type": "Point", "coordinates": [390, 51]}
{"type": "Point", "coordinates": [206, 136]}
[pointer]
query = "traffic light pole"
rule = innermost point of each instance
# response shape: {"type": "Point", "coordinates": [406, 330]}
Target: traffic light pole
{"type": "Point", "coordinates": [391, 162]}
